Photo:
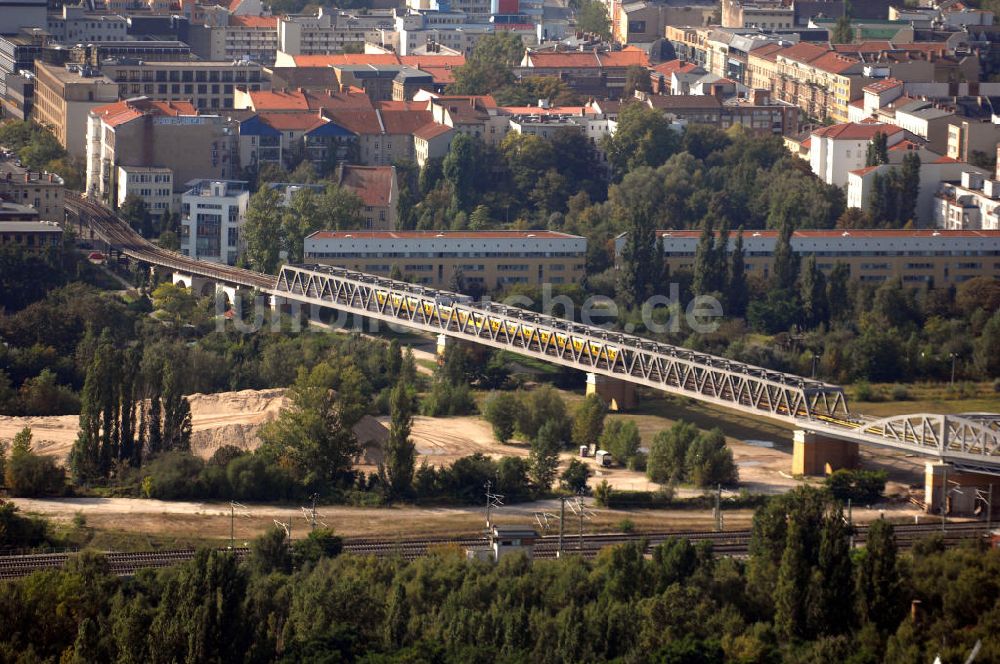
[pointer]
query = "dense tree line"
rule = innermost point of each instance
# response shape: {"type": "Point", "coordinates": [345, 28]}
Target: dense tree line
{"type": "Point", "coordinates": [800, 597]}
{"type": "Point", "coordinates": [39, 150]}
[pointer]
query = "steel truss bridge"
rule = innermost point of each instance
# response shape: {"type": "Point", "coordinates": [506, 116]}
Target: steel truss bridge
{"type": "Point", "coordinates": [970, 442]}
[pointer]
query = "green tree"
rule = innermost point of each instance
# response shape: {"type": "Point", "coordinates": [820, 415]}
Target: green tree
{"type": "Point", "coordinates": [709, 273]}
{"type": "Point", "coordinates": [575, 476]}
{"type": "Point", "coordinates": [986, 348]}
{"type": "Point", "coordinates": [544, 455]}
{"type": "Point", "coordinates": [262, 231]}
{"type": "Point", "coordinates": [176, 413]}
{"type": "Point", "coordinates": [831, 592]}
{"type": "Point", "coordinates": [592, 17]}
{"type": "Point", "coordinates": [878, 150]}
{"type": "Point", "coordinates": [400, 453]}
{"type": "Point", "coordinates": [790, 602]}
{"type": "Point", "coordinates": [785, 260]}
{"type": "Point", "coordinates": [837, 293]}
{"type": "Point", "coordinates": [709, 461]}
{"type": "Point", "coordinates": [643, 138]}
{"type": "Point", "coordinates": [667, 462]}
{"type": "Point", "coordinates": [621, 438]}
{"type": "Point", "coordinates": [397, 618]}
{"type": "Point", "coordinates": [270, 552]}
{"type": "Point", "coordinates": [737, 293]}
{"type": "Point", "coordinates": [814, 305]}
{"type": "Point", "coordinates": [28, 474]}
{"type": "Point", "coordinates": [176, 300]}
{"type": "Point", "coordinates": [843, 31]}
{"type": "Point", "coordinates": [909, 189]}
{"type": "Point", "coordinates": [637, 79]}
{"type": "Point", "coordinates": [880, 595]}
{"type": "Point", "coordinates": [314, 434]}
{"type": "Point", "coordinates": [501, 411]}
{"type": "Point", "coordinates": [134, 211]}
{"type": "Point", "coordinates": [588, 421]}
{"type": "Point", "coordinates": [488, 67]}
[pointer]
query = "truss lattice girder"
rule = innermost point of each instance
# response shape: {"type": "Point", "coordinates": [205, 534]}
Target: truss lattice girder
{"type": "Point", "coordinates": [970, 443]}
{"type": "Point", "coordinates": [668, 368]}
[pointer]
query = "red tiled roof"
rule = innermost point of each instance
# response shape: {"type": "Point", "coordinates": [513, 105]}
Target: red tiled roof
{"type": "Point", "coordinates": [877, 234]}
{"type": "Point", "coordinates": [863, 171]}
{"type": "Point", "coordinates": [254, 21]}
{"type": "Point", "coordinates": [670, 66]}
{"type": "Point", "coordinates": [345, 59]}
{"type": "Point", "coordinates": [293, 121]}
{"type": "Point", "coordinates": [803, 52]}
{"type": "Point", "coordinates": [906, 144]}
{"type": "Point", "coordinates": [883, 85]}
{"type": "Point", "coordinates": [432, 130]}
{"type": "Point", "coordinates": [834, 63]}
{"type": "Point", "coordinates": [863, 47]}
{"type": "Point", "coordinates": [945, 160]}
{"type": "Point", "coordinates": [430, 235]}
{"type": "Point", "coordinates": [121, 112]}
{"type": "Point", "coordinates": [626, 57]}
{"type": "Point", "coordinates": [372, 184]}
{"type": "Point", "coordinates": [768, 51]}
{"type": "Point", "coordinates": [404, 122]}
{"type": "Point", "coordinates": [552, 110]}
{"type": "Point", "coordinates": [856, 131]}
{"type": "Point", "coordinates": [441, 75]}
{"type": "Point", "coordinates": [302, 100]}
{"type": "Point", "coordinates": [359, 121]}
{"type": "Point", "coordinates": [430, 60]}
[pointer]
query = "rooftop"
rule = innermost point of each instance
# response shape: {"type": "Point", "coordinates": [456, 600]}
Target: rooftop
{"type": "Point", "coordinates": [124, 111]}
{"type": "Point", "coordinates": [372, 184]}
{"type": "Point", "coordinates": [856, 131]}
{"type": "Point", "coordinates": [449, 235]}
{"type": "Point", "coordinates": [29, 227]}
{"type": "Point", "coordinates": [871, 234]}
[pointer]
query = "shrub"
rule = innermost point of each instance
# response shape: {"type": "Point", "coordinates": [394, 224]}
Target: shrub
{"type": "Point", "coordinates": [250, 477]}
{"type": "Point", "coordinates": [29, 475]}
{"type": "Point", "coordinates": [668, 453]}
{"type": "Point", "coordinates": [709, 461]}
{"type": "Point", "coordinates": [575, 476]}
{"type": "Point", "coordinates": [626, 526]}
{"type": "Point", "coordinates": [501, 411]}
{"type": "Point", "coordinates": [621, 438]}
{"type": "Point", "coordinates": [860, 486]}
{"type": "Point", "coordinates": [20, 531]}
{"type": "Point", "coordinates": [173, 476]}
{"type": "Point", "coordinates": [900, 393]}
{"type": "Point", "coordinates": [602, 494]}
{"type": "Point", "coordinates": [863, 391]}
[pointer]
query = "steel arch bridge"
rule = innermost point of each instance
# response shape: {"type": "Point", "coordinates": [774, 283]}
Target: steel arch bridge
{"type": "Point", "coordinates": [969, 441]}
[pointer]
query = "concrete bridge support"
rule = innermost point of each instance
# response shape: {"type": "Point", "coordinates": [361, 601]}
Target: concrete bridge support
{"type": "Point", "coordinates": [813, 454]}
{"type": "Point", "coordinates": [963, 490]}
{"type": "Point", "coordinates": [442, 344]}
{"type": "Point", "coordinates": [198, 285]}
{"type": "Point", "coordinates": [617, 394]}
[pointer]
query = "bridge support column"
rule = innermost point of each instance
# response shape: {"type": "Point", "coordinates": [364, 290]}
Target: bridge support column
{"type": "Point", "coordinates": [813, 454]}
{"type": "Point", "coordinates": [617, 394]}
{"type": "Point", "coordinates": [196, 284]}
{"type": "Point", "coordinates": [962, 491]}
{"type": "Point", "coordinates": [442, 344]}
{"type": "Point", "coordinates": [228, 291]}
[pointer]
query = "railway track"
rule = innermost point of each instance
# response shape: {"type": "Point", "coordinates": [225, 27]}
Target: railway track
{"type": "Point", "coordinates": [107, 226]}
{"type": "Point", "coordinates": [729, 543]}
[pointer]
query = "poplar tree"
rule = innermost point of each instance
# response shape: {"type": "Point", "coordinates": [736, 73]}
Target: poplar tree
{"type": "Point", "coordinates": [705, 278]}
{"type": "Point", "coordinates": [813, 293]}
{"type": "Point", "coordinates": [786, 262]}
{"type": "Point", "coordinates": [176, 413]}
{"type": "Point", "coordinates": [878, 579]}
{"type": "Point", "coordinates": [737, 294]}
{"type": "Point", "coordinates": [793, 579]}
{"type": "Point", "coordinates": [400, 453]}
{"type": "Point", "coordinates": [909, 188]}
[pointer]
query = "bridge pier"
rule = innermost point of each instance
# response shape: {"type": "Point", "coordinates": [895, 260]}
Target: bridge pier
{"type": "Point", "coordinates": [442, 344]}
{"type": "Point", "coordinates": [963, 488]}
{"type": "Point", "coordinates": [195, 283]}
{"type": "Point", "coordinates": [617, 394]}
{"type": "Point", "coordinates": [814, 454]}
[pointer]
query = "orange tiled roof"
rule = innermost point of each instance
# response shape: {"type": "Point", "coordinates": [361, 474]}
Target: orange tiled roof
{"type": "Point", "coordinates": [432, 130]}
{"type": "Point", "coordinates": [430, 60]}
{"type": "Point", "coordinates": [803, 52]}
{"type": "Point", "coordinates": [254, 21]}
{"type": "Point", "coordinates": [834, 63]}
{"type": "Point", "coordinates": [295, 121]}
{"type": "Point", "coordinates": [856, 131]}
{"type": "Point", "coordinates": [669, 67]}
{"type": "Point", "coordinates": [345, 59]}
{"type": "Point", "coordinates": [121, 112]}
{"type": "Point", "coordinates": [302, 100]}
{"type": "Point", "coordinates": [883, 85]}
{"type": "Point", "coordinates": [404, 122]}
{"type": "Point", "coordinates": [359, 121]}
{"type": "Point", "coordinates": [372, 184]}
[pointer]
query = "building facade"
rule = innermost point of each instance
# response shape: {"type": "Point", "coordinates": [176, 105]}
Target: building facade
{"type": "Point", "coordinates": [212, 216]}
{"type": "Point", "coordinates": [42, 191]}
{"type": "Point", "coordinates": [209, 85]}
{"type": "Point", "coordinates": [64, 97]}
{"type": "Point", "coordinates": [155, 186]}
{"type": "Point", "coordinates": [916, 257]}
{"type": "Point", "coordinates": [30, 236]}
{"type": "Point", "coordinates": [487, 259]}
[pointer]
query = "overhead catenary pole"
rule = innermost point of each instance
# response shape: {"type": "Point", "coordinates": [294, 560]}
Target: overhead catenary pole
{"type": "Point", "coordinates": [562, 522]}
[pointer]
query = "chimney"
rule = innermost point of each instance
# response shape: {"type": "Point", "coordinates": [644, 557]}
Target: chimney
{"type": "Point", "coordinates": [760, 97]}
{"type": "Point", "coordinates": [27, 176]}
{"type": "Point", "coordinates": [51, 177]}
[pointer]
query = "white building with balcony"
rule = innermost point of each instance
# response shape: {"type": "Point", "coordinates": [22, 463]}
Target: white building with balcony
{"type": "Point", "coordinates": [973, 204]}
{"type": "Point", "coordinates": [212, 216]}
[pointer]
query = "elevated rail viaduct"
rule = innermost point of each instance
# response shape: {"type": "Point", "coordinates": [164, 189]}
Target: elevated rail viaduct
{"type": "Point", "coordinates": [960, 450]}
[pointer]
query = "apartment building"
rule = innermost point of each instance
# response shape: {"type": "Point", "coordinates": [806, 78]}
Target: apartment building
{"type": "Point", "coordinates": [757, 113]}
{"type": "Point", "coordinates": [971, 204]}
{"type": "Point", "coordinates": [42, 191]}
{"type": "Point", "coordinates": [30, 236]}
{"type": "Point", "coordinates": [209, 85]}
{"type": "Point", "coordinates": [917, 257]}
{"type": "Point", "coordinates": [594, 73]}
{"type": "Point", "coordinates": [488, 259]}
{"type": "Point", "coordinates": [836, 150]}
{"type": "Point", "coordinates": [645, 22]}
{"type": "Point", "coordinates": [76, 25]}
{"type": "Point", "coordinates": [240, 38]}
{"type": "Point", "coordinates": [163, 134]}
{"type": "Point", "coordinates": [331, 32]}
{"type": "Point", "coordinates": [64, 97]}
{"type": "Point", "coordinates": [721, 51]}
{"type": "Point", "coordinates": [765, 15]}
{"type": "Point", "coordinates": [212, 216]}
{"type": "Point", "coordinates": [154, 185]}
{"type": "Point", "coordinates": [378, 189]}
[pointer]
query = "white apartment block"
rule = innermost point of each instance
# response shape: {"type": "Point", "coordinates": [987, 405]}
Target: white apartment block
{"type": "Point", "coordinates": [837, 150]}
{"type": "Point", "coordinates": [973, 204]}
{"type": "Point", "coordinates": [155, 186]}
{"type": "Point", "coordinates": [212, 216]}
{"type": "Point", "coordinates": [327, 32]}
{"type": "Point", "coordinates": [75, 25]}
